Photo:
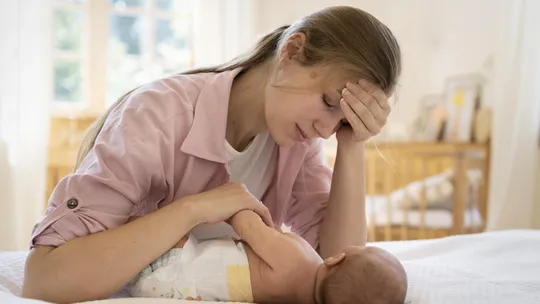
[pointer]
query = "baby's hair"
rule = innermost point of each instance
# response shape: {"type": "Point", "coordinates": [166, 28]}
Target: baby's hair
{"type": "Point", "coordinates": [366, 279]}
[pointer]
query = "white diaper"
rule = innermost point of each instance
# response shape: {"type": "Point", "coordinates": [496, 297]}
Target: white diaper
{"type": "Point", "coordinates": [211, 270]}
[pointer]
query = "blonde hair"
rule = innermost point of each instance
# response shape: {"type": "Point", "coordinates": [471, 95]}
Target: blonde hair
{"type": "Point", "coordinates": [341, 36]}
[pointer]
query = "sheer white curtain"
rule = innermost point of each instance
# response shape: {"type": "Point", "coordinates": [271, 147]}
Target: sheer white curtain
{"type": "Point", "coordinates": [25, 82]}
{"type": "Point", "coordinates": [516, 95]}
{"type": "Point", "coordinates": [223, 30]}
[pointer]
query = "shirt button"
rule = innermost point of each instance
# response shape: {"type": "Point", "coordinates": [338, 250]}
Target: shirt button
{"type": "Point", "coordinates": [72, 203]}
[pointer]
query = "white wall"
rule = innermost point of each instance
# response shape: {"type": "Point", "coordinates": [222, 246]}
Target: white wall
{"type": "Point", "coordinates": [438, 38]}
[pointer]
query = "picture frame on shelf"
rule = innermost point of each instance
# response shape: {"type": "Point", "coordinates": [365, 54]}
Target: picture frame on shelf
{"type": "Point", "coordinates": [462, 98]}
{"type": "Point", "coordinates": [431, 120]}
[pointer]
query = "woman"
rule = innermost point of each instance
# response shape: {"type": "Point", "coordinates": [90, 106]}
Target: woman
{"type": "Point", "coordinates": [200, 146]}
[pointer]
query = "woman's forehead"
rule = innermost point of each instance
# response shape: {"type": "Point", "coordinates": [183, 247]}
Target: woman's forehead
{"type": "Point", "coordinates": [335, 79]}
{"type": "Point", "coordinates": [334, 75]}
{"type": "Point", "coordinates": [329, 80]}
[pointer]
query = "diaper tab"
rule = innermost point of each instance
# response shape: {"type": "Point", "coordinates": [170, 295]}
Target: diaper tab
{"type": "Point", "coordinates": [239, 283]}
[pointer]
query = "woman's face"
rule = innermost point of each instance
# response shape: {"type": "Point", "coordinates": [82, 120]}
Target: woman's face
{"type": "Point", "coordinates": [302, 103]}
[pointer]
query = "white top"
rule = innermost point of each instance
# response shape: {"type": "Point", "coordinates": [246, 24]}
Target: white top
{"type": "Point", "coordinates": [255, 166]}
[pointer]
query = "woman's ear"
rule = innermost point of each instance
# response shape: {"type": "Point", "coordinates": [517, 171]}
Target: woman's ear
{"type": "Point", "coordinates": [294, 47]}
{"type": "Point", "coordinates": [332, 261]}
{"type": "Point", "coordinates": [291, 54]}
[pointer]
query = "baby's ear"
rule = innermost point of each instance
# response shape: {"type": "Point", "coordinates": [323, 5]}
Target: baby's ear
{"type": "Point", "coordinates": [334, 260]}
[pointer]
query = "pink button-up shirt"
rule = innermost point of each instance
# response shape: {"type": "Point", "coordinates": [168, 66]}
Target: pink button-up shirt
{"type": "Point", "coordinates": [166, 141]}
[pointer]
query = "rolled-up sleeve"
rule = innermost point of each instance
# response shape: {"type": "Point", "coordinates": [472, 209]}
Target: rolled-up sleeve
{"type": "Point", "coordinates": [126, 162]}
{"type": "Point", "coordinates": [310, 195]}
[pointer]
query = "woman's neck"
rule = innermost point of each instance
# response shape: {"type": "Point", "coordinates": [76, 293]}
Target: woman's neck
{"type": "Point", "coordinates": [245, 118]}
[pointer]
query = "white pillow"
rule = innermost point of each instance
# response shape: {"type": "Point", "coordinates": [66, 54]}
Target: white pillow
{"type": "Point", "coordinates": [439, 190]}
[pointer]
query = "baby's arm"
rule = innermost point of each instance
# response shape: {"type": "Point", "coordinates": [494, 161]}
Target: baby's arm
{"type": "Point", "coordinates": [268, 243]}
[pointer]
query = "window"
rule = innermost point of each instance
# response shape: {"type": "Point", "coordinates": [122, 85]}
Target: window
{"type": "Point", "coordinates": [68, 51]}
{"type": "Point", "coordinates": [104, 48]}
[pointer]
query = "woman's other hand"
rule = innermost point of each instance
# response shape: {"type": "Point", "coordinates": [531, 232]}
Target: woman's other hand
{"type": "Point", "coordinates": [222, 203]}
{"type": "Point", "coordinates": [366, 110]}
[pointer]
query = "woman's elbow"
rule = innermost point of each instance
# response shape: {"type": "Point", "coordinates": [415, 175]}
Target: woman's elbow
{"type": "Point", "coordinates": [34, 292]}
{"type": "Point", "coordinates": [36, 278]}
{"type": "Point", "coordinates": [49, 278]}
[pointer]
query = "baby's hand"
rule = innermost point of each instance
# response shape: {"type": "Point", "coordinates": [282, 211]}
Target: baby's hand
{"type": "Point", "coordinates": [244, 219]}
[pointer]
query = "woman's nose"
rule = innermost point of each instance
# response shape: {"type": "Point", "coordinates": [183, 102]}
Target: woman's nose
{"type": "Point", "coordinates": [329, 127]}
{"type": "Point", "coordinates": [326, 133]}
{"type": "Point", "coordinates": [336, 121]}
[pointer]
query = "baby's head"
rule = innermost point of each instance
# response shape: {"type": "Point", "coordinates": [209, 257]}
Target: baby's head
{"type": "Point", "coordinates": [364, 275]}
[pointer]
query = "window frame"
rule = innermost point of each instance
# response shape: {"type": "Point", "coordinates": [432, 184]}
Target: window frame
{"type": "Point", "coordinates": [93, 56]}
{"type": "Point", "coordinates": [67, 108]}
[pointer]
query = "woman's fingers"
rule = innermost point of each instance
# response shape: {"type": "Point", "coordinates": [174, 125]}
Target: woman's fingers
{"type": "Point", "coordinates": [373, 98]}
{"type": "Point", "coordinates": [358, 127]}
{"type": "Point", "coordinates": [252, 203]}
{"type": "Point", "coordinates": [376, 92]}
{"type": "Point", "coordinates": [363, 112]}
{"type": "Point", "coordinates": [369, 105]}
{"type": "Point", "coordinates": [364, 96]}
{"type": "Point", "coordinates": [264, 213]}
{"type": "Point", "coordinates": [222, 203]}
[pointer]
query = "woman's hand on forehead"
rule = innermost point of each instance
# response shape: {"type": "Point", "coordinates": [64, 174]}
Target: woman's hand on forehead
{"type": "Point", "coordinates": [366, 109]}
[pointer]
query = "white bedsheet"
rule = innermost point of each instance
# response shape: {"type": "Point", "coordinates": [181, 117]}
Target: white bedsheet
{"type": "Point", "coordinates": [497, 267]}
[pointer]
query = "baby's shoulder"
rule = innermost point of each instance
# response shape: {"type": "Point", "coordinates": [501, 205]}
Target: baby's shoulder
{"type": "Point", "coordinates": [303, 243]}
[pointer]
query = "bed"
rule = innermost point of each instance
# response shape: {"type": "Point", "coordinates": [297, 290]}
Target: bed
{"type": "Point", "coordinates": [492, 267]}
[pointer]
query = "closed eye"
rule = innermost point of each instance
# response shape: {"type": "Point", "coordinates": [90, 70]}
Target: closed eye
{"type": "Point", "coordinates": [325, 101]}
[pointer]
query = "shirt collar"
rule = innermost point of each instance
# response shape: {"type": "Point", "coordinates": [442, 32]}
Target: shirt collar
{"type": "Point", "coordinates": [206, 138]}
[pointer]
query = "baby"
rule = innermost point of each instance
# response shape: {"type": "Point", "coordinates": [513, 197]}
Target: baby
{"type": "Point", "coordinates": [269, 266]}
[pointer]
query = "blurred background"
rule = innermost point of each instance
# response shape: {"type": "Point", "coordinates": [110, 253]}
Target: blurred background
{"type": "Point", "coordinates": [460, 153]}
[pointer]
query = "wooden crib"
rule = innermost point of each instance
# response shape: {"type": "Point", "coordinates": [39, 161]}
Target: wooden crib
{"type": "Point", "coordinates": [393, 170]}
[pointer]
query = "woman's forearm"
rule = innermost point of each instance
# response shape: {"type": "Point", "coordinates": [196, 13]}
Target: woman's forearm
{"type": "Point", "coordinates": [345, 221]}
{"type": "Point", "coordinates": [96, 266]}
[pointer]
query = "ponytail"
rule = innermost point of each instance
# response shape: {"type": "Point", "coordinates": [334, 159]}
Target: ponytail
{"type": "Point", "coordinates": [264, 50]}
